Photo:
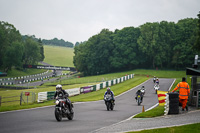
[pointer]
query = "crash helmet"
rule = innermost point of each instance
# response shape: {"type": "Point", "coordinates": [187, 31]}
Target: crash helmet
{"type": "Point", "coordinates": [58, 87]}
{"type": "Point", "coordinates": [108, 89]}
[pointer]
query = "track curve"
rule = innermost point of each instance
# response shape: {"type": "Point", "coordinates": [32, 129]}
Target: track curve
{"type": "Point", "coordinates": [89, 116]}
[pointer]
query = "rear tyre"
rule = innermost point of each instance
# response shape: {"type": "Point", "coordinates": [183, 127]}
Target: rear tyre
{"type": "Point", "coordinates": [58, 114]}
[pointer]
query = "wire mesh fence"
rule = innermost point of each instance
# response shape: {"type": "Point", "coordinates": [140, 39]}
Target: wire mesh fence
{"type": "Point", "coordinates": [24, 98]}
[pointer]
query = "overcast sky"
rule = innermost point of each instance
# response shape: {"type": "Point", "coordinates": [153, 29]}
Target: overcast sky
{"type": "Point", "coordinates": [78, 20]}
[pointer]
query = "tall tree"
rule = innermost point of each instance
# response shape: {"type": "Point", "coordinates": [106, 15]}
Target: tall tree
{"type": "Point", "coordinates": [8, 35]}
{"type": "Point", "coordinates": [41, 50]}
{"type": "Point", "coordinates": [148, 42]}
{"type": "Point", "coordinates": [32, 52]}
{"type": "Point", "coordinates": [13, 56]}
{"type": "Point", "coordinates": [125, 53]}
{"type": "Point", "coordinates": [197, 43]}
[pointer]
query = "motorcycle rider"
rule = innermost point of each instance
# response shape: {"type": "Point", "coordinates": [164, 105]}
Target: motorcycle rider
{"type": "Point", "coordinates": [157, 81]}
{"type": "Point", "coordinates": [139, 93]}
{"type": "Point", "coordinates": [154, 79]}
{"type": "Point", "coordinates": [143, 90]}
{"type": "Point", "coordinates": [62, 93]}
{"type": "Point", "coordinates": [111, 93]}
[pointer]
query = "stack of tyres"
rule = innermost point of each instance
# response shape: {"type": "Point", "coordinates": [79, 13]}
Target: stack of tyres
{"type": "Point", "coordinates": [173, 103]}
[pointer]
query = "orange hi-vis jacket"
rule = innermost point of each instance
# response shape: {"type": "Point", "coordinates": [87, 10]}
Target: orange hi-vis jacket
{"type": "Point", "coordinates": [184, 90]}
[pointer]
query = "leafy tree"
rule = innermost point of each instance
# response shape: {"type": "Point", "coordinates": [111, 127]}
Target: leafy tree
{"type": "Point", "coordinates": [125, 53]}
{"type": "Point", "coordinates": [94, 54]}
{"type": "Point", "coordinates": [148, 42]}
{"type": "Point", "coordinates": [13, 56]}
{"type": "Point", "coordinates": [197, 43]}
{"type": "Point", "coordinates": [185, 37]}
{"type": "Point", "coordinates": [32, 52]}
{"type": "Point", "coordinates": [58, 42]}
{"type": "Point", "coordinates": [8, 35]}
{"type": "Point", "coordinates": [41, 49]}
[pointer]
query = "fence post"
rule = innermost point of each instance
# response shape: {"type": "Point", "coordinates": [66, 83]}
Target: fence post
{"type": "Point", "coordinates": [0, 101]}
{"type": "Point", "coordinates": [21, 99]}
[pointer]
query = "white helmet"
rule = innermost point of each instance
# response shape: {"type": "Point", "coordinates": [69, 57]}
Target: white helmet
{"type": "Point", "coordinates": [58, 87]}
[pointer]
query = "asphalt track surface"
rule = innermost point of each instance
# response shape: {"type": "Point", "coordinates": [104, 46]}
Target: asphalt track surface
{"type": "Point", "coordinates": [89, 116]}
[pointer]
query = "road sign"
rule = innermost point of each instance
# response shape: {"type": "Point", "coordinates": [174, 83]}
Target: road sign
{"type": "Point", "coordinates": [27, 93]}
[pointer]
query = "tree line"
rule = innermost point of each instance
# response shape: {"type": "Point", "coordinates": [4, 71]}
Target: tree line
{"type": "Point", "coordinates": [16, 50]}
{"type": "Point", "coordinates": [162, 45]}
{"type": "Point", "coordinates": [57, 42]}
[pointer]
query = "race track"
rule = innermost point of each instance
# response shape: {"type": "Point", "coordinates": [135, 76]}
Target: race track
{"type": "Point", "coordinates": [89, 116]}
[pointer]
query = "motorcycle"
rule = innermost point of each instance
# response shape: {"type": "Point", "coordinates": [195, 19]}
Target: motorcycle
{"type": "Point", "coordinates": [139, 99]}
{"type": "Point", "coordinates": [109, 102]}
{"type": "Point", "coordinates": [62, 110]}
{"type": "Point", "coordinates": [156, 88]}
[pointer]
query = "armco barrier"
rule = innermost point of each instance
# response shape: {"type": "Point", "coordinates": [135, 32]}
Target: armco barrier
{"type": "Point", "coordinates": [42, 96]}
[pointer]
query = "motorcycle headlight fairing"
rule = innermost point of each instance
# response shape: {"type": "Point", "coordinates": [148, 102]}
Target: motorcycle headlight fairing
{"type": "Point", "coordinates": [57, 102]}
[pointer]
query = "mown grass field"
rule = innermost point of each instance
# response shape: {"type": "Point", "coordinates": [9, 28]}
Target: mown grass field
{"type": "Point", "coordinates": [59, 56]}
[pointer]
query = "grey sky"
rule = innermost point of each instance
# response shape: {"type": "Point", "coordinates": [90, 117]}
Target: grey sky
{"type": "Point", "coordinates": [78, 20]}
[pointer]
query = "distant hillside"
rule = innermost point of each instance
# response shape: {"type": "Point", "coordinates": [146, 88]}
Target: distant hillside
{"type": "Point", "coordinates": [59, 56]}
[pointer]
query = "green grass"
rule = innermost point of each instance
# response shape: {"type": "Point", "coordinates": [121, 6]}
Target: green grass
{"type": "Point", "coordinates": [58, 56]}
{"type": "Point", "coordinates": [190, 128]}
{"type": "Point", "coordinates": [117, 89]}
{"type": "Point", "coordinates": [161, 73]}
{"type": "Point", "coordinates": [157, 111]}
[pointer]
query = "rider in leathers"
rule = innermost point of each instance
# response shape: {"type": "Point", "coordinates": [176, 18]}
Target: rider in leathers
{"type": "Point", "coordinates": [62, 93]}
{"type": "Point", "coordinates": [111, 93]}
{"type": "Point", "coordinates": [139, 93]}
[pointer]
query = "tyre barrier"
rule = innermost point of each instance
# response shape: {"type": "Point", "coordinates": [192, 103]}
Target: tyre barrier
{"type": "Point", "coordinates": [173, 103]}
{"type": "Point", "coordinates": [45, 96]}
{"type": "Point", "coordinates": [25, 81]}
{"type": "Point", "coordinates": [23, 77]}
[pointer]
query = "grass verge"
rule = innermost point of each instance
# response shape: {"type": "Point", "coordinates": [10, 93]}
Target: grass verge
{"type": "Point", "coordinates": [190, 128]}
{"type": "Point", "coordinates": [157, 111]}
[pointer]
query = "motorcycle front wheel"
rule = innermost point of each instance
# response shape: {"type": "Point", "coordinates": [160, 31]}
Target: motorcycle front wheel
{"type": "Point", "coordinates": [71, 115]}
{"type": "Point", "coordinates": [108, 105]}
{"type": "Point", "coordinates": [58, 114]}
{"type": "Point", "coordinates": [139, 101]}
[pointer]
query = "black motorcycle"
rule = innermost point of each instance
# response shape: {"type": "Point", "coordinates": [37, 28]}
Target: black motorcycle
{"type": "Point", "coordinates": [139, 99]}
{"type": "Point", "coordinates": [109, 102]}
{"type": "Point", "coordinates": [62, 110]}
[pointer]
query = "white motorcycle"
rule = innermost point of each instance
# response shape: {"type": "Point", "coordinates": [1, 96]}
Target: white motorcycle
{"type": "Point", "coordinates": [156, 88]}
